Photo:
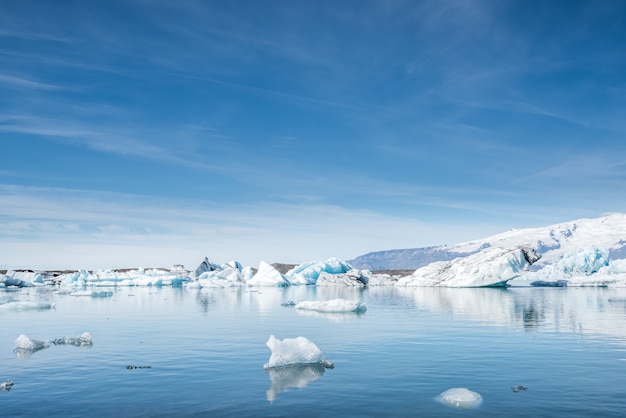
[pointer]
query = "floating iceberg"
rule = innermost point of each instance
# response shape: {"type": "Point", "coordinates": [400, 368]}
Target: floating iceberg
{"type": "Point", "coordinates": [10, 304]}
{"type": "Point", "coordinates": [296, 376]}
{"type": "Point", "coordinates": [351, 278]}
{"type": "Point", "coordinates": [588, 266]}
{"type": "Point", "coordinates": [333, 306]}
{"type": "Point", "coordinates": [26, 346]}
{"type": "Point", "coordinates": [6, 386]}
{"type": "Point", "coordinates": [93, 293]}
{"type": "Point", "coordinates": [461, 398]}
{"type": "Point", "coordinates": [268, 276]}
{"type": "Point", "coordinates": [27, 343]}
{"type": "Point", "coordinates": [488, 268]}
{"type": "Point", "coordinates": [308, 273]}
{"type": "Point", "coordinates": [293, 351]}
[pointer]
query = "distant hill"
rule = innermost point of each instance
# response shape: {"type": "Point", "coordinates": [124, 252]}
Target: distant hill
{"type": "Point", "coordinates": [552, 242]}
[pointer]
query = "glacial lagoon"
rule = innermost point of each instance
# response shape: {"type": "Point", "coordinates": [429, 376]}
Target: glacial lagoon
{"type": "Point", "coordinates": [165, 352]}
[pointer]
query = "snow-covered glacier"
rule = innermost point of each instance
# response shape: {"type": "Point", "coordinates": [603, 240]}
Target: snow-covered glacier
{"type": "Point", "coordinates": [491, 267]}
{"type": "Point", "coordinates": [552, 242]}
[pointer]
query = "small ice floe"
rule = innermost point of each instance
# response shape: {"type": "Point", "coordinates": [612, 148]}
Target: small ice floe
{"type": "Point", "coordinates": [296, 376]}
{"type": "Point", "coordinates": [83, 340]}
{"type": "Point", "coordinates": [288, 303]}
{"type": "Point", "coordinates": [333, 306]}
{"type": "Point", "coordinates": [461, 398]}
{"type": "Point", "coordinates": [518, 388]}
{"type": "Point", "coordinates": [292, 351]}
{"type": "Point", "coordinates": [6, 386]}
{"type": "Point", "coordinates": [26, 346]}
{"type": "Point", "coordinates": [93, 293]}
{"type": "Point", "coordinates": [9, 304]}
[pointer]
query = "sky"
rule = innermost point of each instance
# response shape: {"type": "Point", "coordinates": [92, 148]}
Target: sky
{"type": "Point", "coordinates": [138, 133]}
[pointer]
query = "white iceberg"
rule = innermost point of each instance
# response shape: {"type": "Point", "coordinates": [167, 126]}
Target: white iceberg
{"type": "Point", "coordinates": [332, 306]}
{"type": "Point", "coordinates": [10, 304]}
{"type": "Point", "coordinates": [353, 277]}
{"type": "Point", "coordinates": [93, 293]}
{"type": "Point", "coordinates": [27, 343]}
{"type": "Point", "coordinates": [292, 351]}
{"type": "Point", "coordinates": [268, 276]}
{"type": "Point", "coordinates": [588, 266]}
{"type": "Point", "coordinates": [26, 346]}
{"type": "Point", "coordinates": [461, 398]}
{"type": "Point", "coordinates": [489, 268]}
{"type": "Point", "coordinates": [308, 273]}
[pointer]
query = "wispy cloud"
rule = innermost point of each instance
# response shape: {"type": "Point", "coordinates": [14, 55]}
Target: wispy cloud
{"type": "Point", "coordinates": [24, 83]}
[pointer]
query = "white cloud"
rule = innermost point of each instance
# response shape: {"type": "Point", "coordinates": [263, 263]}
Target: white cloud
{"type": "Point", "coordinates": [55, 228]}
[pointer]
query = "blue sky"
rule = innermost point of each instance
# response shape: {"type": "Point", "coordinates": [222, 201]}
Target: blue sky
{"type": "Point", "coordinates": [149, 133]}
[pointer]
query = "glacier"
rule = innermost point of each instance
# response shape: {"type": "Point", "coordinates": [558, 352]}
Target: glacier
{"type": "Point", "coordinates": [295, 351]}
{"type": "Point", "coordinates": [490, 267]}
{"type": "Point", "coordinates": [551, 242]}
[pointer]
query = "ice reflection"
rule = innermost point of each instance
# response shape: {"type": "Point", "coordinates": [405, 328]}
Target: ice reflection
{"type": "Point", "coordinates": [580, 310]}
{"type": "Point", "coordinates": [298, 376]}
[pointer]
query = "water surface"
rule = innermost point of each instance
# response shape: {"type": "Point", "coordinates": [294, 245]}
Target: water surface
{"type": "Point", "coordinates": [206, 348]}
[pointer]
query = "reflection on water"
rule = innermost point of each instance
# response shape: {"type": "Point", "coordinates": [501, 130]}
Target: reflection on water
{"type": "Point", "coordinates": [297, 376]}
{"type": "Point", "coordinates": [588, 310]}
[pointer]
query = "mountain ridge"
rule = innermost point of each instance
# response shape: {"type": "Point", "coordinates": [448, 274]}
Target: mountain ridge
{"type": "Point", "coordinates": [551, 242]}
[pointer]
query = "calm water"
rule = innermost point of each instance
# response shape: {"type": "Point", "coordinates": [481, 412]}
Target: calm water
{"type": "Point", "coordinates": [206, 349]}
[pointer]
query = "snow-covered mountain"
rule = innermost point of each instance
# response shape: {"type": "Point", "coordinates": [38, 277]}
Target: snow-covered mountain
{"type": "Point", "coordinates": [551, 242]}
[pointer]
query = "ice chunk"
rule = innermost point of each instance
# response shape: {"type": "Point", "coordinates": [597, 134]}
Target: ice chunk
{"type": "Point", "coordinates": [93, 293]}
{"type": "Point", "coordinates": [27, 343]}
{"type": "Point", "coordinates": [268, 276]}
{"type": "Point", "coordinates": [12, 304]}
{"type": "Point", "coordinates": [296, 376]}
{"type": "Point", "coordinates": [588, 266]}
{"type": "Point", "coordinates": [6, 386]}
{"type": "Point", "coordinates": [308, 273]}
{"type": "Point", "coordinates": [461, 398]}
{"type": "Point", "coordinates": [352, 278]}
{"type": "Point", "coordinates": [83, 340]}
{"type": "Point", "coordinates": [291, 351]}
{"type": "Point", "coordinates": [333, 306]}
{"type": "Point", "coordinates": [26, 346]}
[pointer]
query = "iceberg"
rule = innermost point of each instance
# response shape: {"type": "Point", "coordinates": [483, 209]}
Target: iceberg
{"type": "Point", "coordinates": [27, 343]}
{"type": "Point", "coordinates": [268, 276]}
{"type": "Point", "coordinates": [333, 306]}
{"type": "Point", "coordinates": [6, 386]}
{"type": "Point", "coordinates": [461, 398]}
{"type": "Point", "coordinates": [308, 273]}
{"type": "Point", "coordinates": [489, 268]}
{"type": "Point", "coordinates": [11, 281]}
{"type": "Point", "coordinates": [588, 266]}
{"type": "Point", "coordinates": [10, 304]}
{"type": "Point", "coordinates": [351, 278]}
{"type": "Point", "coordinates": [294, 351]}
{"type": "Point", "coordinates": [26, 346]}
{"type": "Point", "coordinates": [93, 293]}
{"type": "Point", "coordinates": [296, 376]}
